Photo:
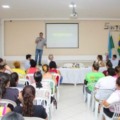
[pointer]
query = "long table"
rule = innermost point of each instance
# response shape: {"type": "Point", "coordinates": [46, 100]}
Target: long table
{"type": "Point", "coordinates": [76, 75]}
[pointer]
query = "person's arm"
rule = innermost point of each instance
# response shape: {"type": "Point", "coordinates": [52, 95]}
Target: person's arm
{"type": "Point", "coordinates": [105, 103]}
{"type": "Point", "coordinates": [8, 68]}
{"type": "Point", "coordinates": [37, 40]}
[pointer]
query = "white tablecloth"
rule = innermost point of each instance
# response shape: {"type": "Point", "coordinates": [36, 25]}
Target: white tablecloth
{"type": "Point", "coordinates": [76, 75]}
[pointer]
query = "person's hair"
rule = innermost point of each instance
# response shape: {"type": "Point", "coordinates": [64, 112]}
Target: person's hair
{"type": "Point", "coordinates": [28, 94]}
{"type": "Point", "coordinates": [114, 56]}
{"type": "Point", "coordinates": [111, 71]}
{"type": "Point", "coordinates": [12, 116]}
{"type": "Point", "coordinates": [32, 63]}
{"type": "Point", "coordinates": [50, 56]}
{"type": "Point", "coordinates": [100, 57]}
{"type": "Point", "coordinates": [41, 33]}
{"type": "Point", "coordinates": [45, 68]}
{"type": "Point", "coordinates": [16, 64]}
{"type": "Point", "coordinates": [14, 79]}
{"type": "Point", "coordinates": [118, 81]}
{"type": "Point", "coordinates": [28, 56]}
{"type": "Point", "coordinates": [117, 69]}
{"type": "Point", "coordinates": [2, 65]}
{"type": "Point", "coordinates": [52, 64]}
{"type": "Point", "coordinates": [1, 60]}
{"type": "Point", "coordinates": [95, 66]}
{"type": "Point", "coordinates": [109, 64]}
{"type": "Point", "coordinates": [4, 79]}
{"type": "Point", "coordinates": [38, 79]}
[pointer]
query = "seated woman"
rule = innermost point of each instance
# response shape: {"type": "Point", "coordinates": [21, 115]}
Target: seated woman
{"type": "Point", "coordinates": [18, 70]}
{"type": "Point", "coordinates": [108, 65]}
{"type": "Point", "coordinates": [53, 69]}
{"type": "Point", "coordinates": [100, 61]}
{"type": "Point", "coordinates": [14, 79]}
{"type": "Point", "coordinates": [27, 108]}
{"type": "Point", "coordinates": [32, 68]}
{"type": "Point", "coordinates": [115, 97]}
{"type": "Point", "coordinates": [7, 92]}
{"type": "Point", "coordinates": [3, 108]}
{"type": "Point", "coordinates": [38, 79]}
{"type": "Point", "coordinates": [47, 74]}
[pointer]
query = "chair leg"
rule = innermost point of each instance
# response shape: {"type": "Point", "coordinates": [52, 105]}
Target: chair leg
{"type": "Point", "coordinates": [88, 99]}
{"type": "Point", "coordinates": [96, 110]}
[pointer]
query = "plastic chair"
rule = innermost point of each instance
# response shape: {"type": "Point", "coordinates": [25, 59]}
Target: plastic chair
{"type": "Point", "coordinates": [33, 118]}
{"type": "Point", "coordinates": [6, 101]}
{"type": "Point", "coordinates": [30, 78]}
{"type": "Point", "coordinates": [23, 81]}
{"type": "Point", "coordinates": [88, 95]}
{"type": "Point", "coordinates": [43, 97]}
{"type": "Point", "coordinates": [56, 75]}
{"type": "Point", "coordinates": [116, 115]}
{"type": "Point", "coordinates": [101, 94]}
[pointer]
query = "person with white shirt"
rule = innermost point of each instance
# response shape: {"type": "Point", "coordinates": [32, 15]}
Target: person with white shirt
{"type": "Point", "coordinates": [114, 61]}
{"type": "Point", "coordinates": [107, 82]}
{"type": "Point", "coordinates": [114, 97]}
{"type": "Point", "coordinates": [27, 62]}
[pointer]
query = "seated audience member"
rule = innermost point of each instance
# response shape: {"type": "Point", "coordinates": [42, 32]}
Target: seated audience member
{"type": "Point", "coordinates": [107, 82]}
{"type": "Point", "coordinates": [18, 70]}
{"type": "Point", "coordinates": [53, 69]}
{"type": "Point", "coordinates": [7, 92]}
{"type": "Point", "coordinates": [3, 108]}
{"type": "Point", "coordinates": [114, 61]}
{"type": "Point", "coordinates": [100, 61]}
{"type": "Point", "coordinates": [12, 116]}
{"type": "Point", "coordinates": [32, 68]}
{"type": "Point", "coordinates": [47, 74]}
{"type": "Point", "coordinates": [93, 77]}
{"type": "Point", "coordinates": [4, 67]}
{"type": "Point", "coordinates": [38, 79]}
{"type": "Point", "coordinates": [27, 62]}
{"type": "Point", "coordinates": [108, 65]}
{"type": "Point", "coordinates": [50, 58]}
{"type": "Point", "coordinates": [114, 97]}
{"type": "Point", "coordinates": [14, 79]}
{"type": "Point", "coordinates": [27, 108]}
{"type": "Point", "coordinates": [117, 71]}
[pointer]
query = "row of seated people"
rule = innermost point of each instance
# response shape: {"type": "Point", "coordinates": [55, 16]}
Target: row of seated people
{"type": "Point", "coordinates": [8, 81]}
{"type": "Point", "coordinates": [96, 80]}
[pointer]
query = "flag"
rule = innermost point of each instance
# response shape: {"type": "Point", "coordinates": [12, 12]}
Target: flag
{"type": "Point", "coordinates": [110, 45]}
{"type": "Point", "coordinates": [119, 46]}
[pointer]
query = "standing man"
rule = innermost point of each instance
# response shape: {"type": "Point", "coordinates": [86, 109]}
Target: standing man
{"type": "Point", "coordinates": [40, 43]}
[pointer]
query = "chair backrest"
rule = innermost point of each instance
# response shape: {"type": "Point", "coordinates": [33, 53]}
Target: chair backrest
{"type": "Point", "coordinates": [30, 78]}
{"type": "Point", "coordinates": [23, 81]}
{"type": "Point", "coordinates": [103, 94]}
{"type": "Point", "coordinates": [92, 85]}
{"type": "Point", "coordinates": [57, 76]}
{"type": "Point", "coordinates": [6, 101]}
{"type": "Point", "coordinates": [116, 107]}
{"type": "Point", "coordinates": [49, 84]}
{"type": "Point", "coordinates": [33, 118]}
{"type": "Point", "coordinates": [43, 97]}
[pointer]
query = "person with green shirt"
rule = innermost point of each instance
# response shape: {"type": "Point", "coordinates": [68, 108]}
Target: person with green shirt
{"type": "Point", "coordinates": [93, 77]}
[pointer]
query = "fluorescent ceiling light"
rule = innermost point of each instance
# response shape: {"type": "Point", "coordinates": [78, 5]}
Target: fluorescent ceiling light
{"type": "Point", "coordinates": [5, 6]}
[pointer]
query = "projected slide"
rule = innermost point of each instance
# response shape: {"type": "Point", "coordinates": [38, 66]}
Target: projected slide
{"type": "Point", "coordinates": [62, 35]}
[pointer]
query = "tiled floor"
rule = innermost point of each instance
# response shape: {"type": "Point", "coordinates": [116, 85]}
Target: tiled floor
{"type": "Point", "coordinates": [71, 105]}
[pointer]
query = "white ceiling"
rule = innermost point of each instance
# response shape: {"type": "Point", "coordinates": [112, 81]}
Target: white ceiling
{"type": "Point", "coordinates": [59, 9]}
